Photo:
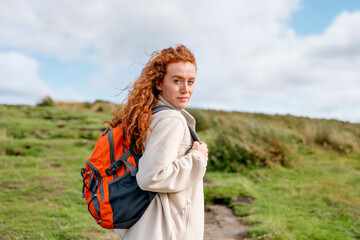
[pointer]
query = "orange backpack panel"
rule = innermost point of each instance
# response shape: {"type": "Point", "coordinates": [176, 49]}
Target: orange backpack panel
{"type": "Point", "coordinates": [110, 189]}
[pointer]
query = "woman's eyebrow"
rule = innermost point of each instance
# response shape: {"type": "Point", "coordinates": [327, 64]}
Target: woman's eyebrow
{"type": "Point", "coordinates": [177, 76]}
{"type": "Point", "coordinates": [182, 77]}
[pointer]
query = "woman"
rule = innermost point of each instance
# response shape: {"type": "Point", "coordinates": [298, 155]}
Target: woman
{"type": "Point", "coordinates": [177, 211]}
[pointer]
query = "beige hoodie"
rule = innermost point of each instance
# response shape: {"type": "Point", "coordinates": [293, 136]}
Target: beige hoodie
{"type": "Point", "coordinates": [177, 211]}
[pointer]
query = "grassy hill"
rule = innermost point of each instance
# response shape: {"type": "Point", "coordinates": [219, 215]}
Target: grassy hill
{"type": "Point", "coordinates": [288, 177]}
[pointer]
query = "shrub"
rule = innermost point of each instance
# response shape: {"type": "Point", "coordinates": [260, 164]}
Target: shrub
{"type": "Point", "coordinates": [46, 102]}
{"type": "Point", "coordinates": [203, 122]}
{"type": "Point", "coordinates": [87, 105]}
{"type": "Point", "coordinates": [330, 135]}
{"type": "Point", "coordinates": [228, 154]}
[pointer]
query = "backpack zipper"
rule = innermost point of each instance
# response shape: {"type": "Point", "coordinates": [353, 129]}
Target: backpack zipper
{"type": "Point", "coordinates": [101, 188]}
{"type": "Point", "coordinates": [98, 177]}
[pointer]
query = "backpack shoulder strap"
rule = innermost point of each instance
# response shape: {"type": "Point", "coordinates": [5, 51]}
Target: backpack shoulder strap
{"type": "Point", "coordinates": [111, 149]}
{"type": "Point", "coordinates": [159, 108]}
{"type": "Point", "coordinates": [193, 133]}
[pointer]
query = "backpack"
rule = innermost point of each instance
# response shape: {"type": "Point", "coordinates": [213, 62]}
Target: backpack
{"type": "Point", "coordinates": [110, 188]}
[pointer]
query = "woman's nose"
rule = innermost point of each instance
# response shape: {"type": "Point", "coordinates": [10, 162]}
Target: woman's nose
{"type": "Point", "coordinates": [184, 88]}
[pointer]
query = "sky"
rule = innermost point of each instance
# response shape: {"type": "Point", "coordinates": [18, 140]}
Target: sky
{"type": "Point", "coordinates": [298, 57]}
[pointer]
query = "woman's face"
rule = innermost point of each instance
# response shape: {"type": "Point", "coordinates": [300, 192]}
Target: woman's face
{"type": "Point", "coordinates": [178, 84]}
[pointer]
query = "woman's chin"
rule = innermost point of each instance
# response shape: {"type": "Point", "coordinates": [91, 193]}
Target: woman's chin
{"type": "Point", "coordinates": [181, 105]}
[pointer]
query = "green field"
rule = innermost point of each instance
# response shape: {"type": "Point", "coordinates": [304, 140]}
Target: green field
{"type": "Point", "coordinates": [288, 177]}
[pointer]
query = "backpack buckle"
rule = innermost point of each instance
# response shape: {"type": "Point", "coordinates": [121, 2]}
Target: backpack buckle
{"type": "Point", "coordinates": [113, 168]}
{"type": "Point", "coordinates": [108, 171]}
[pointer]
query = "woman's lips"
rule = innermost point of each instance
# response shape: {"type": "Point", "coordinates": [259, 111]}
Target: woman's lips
{"type": "Point", "coordinates": [183, 99]}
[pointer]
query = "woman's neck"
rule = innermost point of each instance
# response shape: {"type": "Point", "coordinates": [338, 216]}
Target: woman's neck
{"type": "Point", "coordinates": [162, 99]}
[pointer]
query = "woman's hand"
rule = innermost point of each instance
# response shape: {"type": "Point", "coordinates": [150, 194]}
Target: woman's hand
{"type": "Point", "coordinates": [201, 147]}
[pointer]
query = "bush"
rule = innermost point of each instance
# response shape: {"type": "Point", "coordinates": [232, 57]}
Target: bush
{"type": "Point", "coordinates": [87, 105]}
{"type": "Point", "coordinates": [331, 135]}
{"type": "Point", "coordinates": [237, 140]}
{"type": "Point", "coordinates": [203, 122]}
{"type": "Point", "coordinates": [228, 154]}
{"type": "Point", "coordinates": [46, 102]}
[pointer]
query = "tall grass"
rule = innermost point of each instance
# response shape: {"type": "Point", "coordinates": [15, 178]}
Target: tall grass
{"type": "Point", "coordinates": [240, 139]}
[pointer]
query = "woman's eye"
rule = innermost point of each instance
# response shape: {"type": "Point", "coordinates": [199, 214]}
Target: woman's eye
{"type": "Point", "coordinates": [190, 82]}
{"type": "Point", "coordinates": [176, 81]}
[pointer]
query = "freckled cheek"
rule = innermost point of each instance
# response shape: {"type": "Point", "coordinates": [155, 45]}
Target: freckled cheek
{"type": "Point", "coordinates": [191, 89]}
{"type": "Point", "coordinates": [177, 89]}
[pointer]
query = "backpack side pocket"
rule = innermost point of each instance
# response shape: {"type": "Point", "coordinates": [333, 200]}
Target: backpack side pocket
{"type": "Point", "coordinates": [128, 201]}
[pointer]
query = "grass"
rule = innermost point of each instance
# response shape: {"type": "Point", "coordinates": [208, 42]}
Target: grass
{"type": "Point", "coordinates": [41, 152]}
{"type": "Point", "coordinates": [317, 199]}
{"type": "Point", "coordinates": [290, 178]}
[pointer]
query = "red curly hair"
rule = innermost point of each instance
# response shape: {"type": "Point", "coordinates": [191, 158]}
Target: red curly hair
{"type": "Point", "coordinates": [135, 112]}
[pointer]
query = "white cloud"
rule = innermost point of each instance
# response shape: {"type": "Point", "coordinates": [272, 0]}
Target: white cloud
{"type": "Point", "coordinates": [20, 82]}
{"type": "Point", "coordinates": [315, 76]}
{"type": "Point", "coordinates": [249, 58]}
{"type": "Point", "coordinates": [19, 79]}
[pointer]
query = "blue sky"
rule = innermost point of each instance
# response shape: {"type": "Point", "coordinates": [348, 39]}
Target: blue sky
{"type": "Point", "coordinates": [298, 57]}
{"type": "Point", "coordinates": [315, 15]}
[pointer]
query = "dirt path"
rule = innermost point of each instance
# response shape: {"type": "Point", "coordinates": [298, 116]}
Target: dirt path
{"type": "Point", "coordinates": [220, 224]}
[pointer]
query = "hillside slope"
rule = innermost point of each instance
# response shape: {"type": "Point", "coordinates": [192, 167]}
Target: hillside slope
{"type": "Point", "coordinates": [288, 177]}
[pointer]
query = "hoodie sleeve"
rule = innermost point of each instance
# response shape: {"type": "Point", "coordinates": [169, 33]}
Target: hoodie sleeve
{"type": "Point", "coordinates": [160, 168]}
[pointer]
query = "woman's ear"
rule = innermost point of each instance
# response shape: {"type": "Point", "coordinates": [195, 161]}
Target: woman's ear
{"type": "Point", "coordinates": [158, 86]}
